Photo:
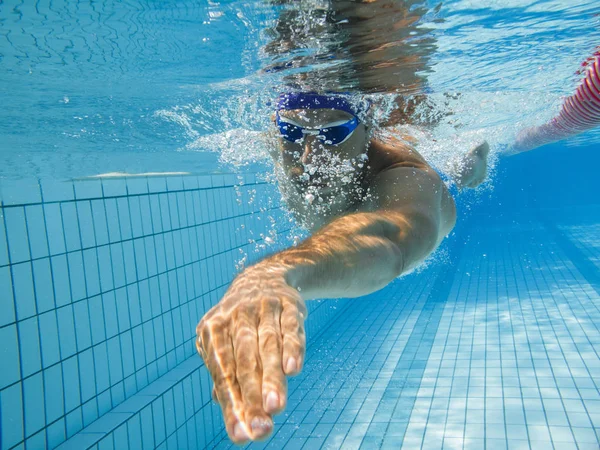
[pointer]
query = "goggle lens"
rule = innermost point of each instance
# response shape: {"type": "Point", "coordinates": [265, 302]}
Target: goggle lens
{"type": "Point", "coordinates": [331, 135]}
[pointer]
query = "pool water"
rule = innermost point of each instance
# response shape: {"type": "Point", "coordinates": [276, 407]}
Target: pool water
{"type": "Point", "coordinates": [494, 343]}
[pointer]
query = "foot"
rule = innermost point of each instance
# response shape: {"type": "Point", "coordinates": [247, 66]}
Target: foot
{"type": "Point", "coordinates": [472, 169]}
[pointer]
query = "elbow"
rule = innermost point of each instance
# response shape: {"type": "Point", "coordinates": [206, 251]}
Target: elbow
{"type": "Point", "coordinates": [396, 261]}
{"type": "Point", "coordinates": [412, 238]}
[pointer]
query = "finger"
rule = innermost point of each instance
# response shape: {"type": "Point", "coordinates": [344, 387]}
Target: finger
{"type": "Point", "coordinates": [249, 374]}
{"type": "Point", "coordinates": [221, 365]}
{"type": "Point", "coordinates": [294, 337]}
{"type": "Point", "coordinates": [274, 382]}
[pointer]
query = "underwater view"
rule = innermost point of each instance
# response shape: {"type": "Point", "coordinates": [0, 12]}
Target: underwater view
{"type": "Point", "coordinates": [366, 224]}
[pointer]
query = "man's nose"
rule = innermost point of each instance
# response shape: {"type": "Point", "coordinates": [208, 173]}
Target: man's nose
{"type": "Point", "coordinates": [309, 146]}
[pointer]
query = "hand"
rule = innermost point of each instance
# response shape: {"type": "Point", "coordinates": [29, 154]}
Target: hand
{"type": "Point", "coordinates": [472, 169]}
{"type": "Point", "coordinates": [250, 341]}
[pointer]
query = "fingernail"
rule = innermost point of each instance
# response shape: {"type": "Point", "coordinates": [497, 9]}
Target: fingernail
{"type": "Point", "coordinates": [260, 426]}
{"type": "Point", "coordinates": [291, 365]}
{"type": "Point", "coordinates": [239, 432]}
{"type": "Point", "coordinates": [272, 401]}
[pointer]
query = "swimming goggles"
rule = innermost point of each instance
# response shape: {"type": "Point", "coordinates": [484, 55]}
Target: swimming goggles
{"type": "Point", "coordinates": [334, 133]}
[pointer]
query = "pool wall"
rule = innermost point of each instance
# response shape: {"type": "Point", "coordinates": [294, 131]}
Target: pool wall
{"type": "Point", "coordinates": [102, 283]}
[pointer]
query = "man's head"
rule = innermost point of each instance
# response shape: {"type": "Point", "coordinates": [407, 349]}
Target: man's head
{"type": "Point", "coordinates": [322, 140]}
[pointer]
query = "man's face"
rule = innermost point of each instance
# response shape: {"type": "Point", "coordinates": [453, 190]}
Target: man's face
{"type": "Point", "coordinates": [313, 164]}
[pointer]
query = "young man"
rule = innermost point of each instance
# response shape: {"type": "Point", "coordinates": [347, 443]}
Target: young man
{"type": "Point", "coordinates": [376, 209]}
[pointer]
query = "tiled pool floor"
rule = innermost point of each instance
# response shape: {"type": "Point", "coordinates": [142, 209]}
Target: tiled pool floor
{"type": "Point", "coordinates": [496, 347]}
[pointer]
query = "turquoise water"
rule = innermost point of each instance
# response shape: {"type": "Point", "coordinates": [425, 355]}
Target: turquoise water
{"type": "Point", "coordinates": [493, 344]}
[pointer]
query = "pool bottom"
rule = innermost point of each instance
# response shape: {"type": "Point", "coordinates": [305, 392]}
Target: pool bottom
{"type": "Point", "coordinates": [497, 349]}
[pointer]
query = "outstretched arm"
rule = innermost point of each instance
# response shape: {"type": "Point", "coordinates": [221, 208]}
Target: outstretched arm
{"type": "Point", "coordinates": [255, 337]}
{"type": "Point", "coordinates": [360, 253]}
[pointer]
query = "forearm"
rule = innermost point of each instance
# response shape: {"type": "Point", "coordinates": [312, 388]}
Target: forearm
{"type": "Point", "coordinates": [356, 254]}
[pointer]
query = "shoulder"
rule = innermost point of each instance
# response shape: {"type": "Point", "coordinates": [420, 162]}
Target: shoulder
{"type": "Point", "coordinates": [392, 148]}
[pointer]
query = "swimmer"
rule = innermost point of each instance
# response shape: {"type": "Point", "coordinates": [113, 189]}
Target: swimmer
{"type": "Point", "coordinates": [376, 210]}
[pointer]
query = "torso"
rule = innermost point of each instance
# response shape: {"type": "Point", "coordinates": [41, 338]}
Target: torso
{"type": "Point", "coordinates": [385, 152]}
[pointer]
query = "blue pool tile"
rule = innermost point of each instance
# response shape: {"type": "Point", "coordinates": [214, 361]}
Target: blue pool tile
{"type": "Point", "coordinates": [204, 181]}
{"type": "Point", "coordinates": [105, 268]}
{"type": "Point", "coordinates": [49, 338]}
{"type": "Point", "coordinates": [174, 183]}
{"type": "Point", "coordinates": [149, 339]}
{"type": "Point", "coordinates": [190, 182]}
{"type": "Point", "coordinates": [76, 275]}
{"type": "Point", "coordinates": [90, 412]}
{"type": "Point", "coordinates": [54, 228]}
{"type": "Point", "coordinates": [108, 422]}
{"type": "Point", "coordinates": [169, 412]}
{"type": "Point", "coordinates": [74, 421]}
{"type": "Point", "coordinates": [3, 242]}
{"type": "Point", "coordinates": [144, 296]}
{"type": "Point", "coordinates": [81, 441]}
{"type": "Point", "coordinates": [122, 306]}
{"type": "Point", "coordinates": [114, 187]}
{"type": "Point", "coordinates": [229, 180]}
{"type": "Point", "coordinates": [139, 185]}
{"type": "Point", "coordinates": [66, 335]}
{"type": "Point", "coordinates": [182, 210]}
{"type": "Point", "coordinates": [38, 440]}
{"type": "Point", "coordinates": [165, 213]}
{"type": "Point", "coordinates": [53, 393]}
{"type": "Point", "coordinates": [110, 314]}
{"type": "Point", "coordinates": [134, 308]}
{"type": "Point", "coordinates": [158, 419]}
{"type": "Point", "coordinates": [217, 180]}
{"type": "Point", "coordinates": [86, 189]}
{"type": "Point", "coordinates": [140, 258]}
{"type": "Point", "coordinates": [9, 351]}
{"type": "Point", "coordinates": [56, 191]}
{"type": "Point", "coordinates": [112, 218]}
{"type": "Point", "coordinates": [136, 217]}
{"type": "Point", "coordinates": [130, 263]}
{"type": "Point", "coordinates": [7, 304]}
{"type": "Point", "coordinates": [248, 178]}
{"type": "Point", "coordinates": [29, 343]}
{"type": "Point", "coordinates": [146, 213]}
{"type": "Point", "coordinates": [150, 255]}
{"type": "Point", "coordinates": [36, 231]}
{"type": "Point", "coordinates": [139, 347]}
{"type": "Point", "coordinates": [71, 383]}
{"type": "Point", "coordinates": [20, 192]}
{"type": "Point", "coordinates": [16, 232]}
{"type": "Point", "coordinates": [82, 325]}
{"type": "Point", "coordinates": [92, 275]}
{"type": "Point", "coordinates": [11, 419]}
{"type": "Point", "coordinates": [117, 264]}
{"type": "Point", "coordinates": [156, 214]}
{"type": "Point", "coordinates": [70, 223]}
{"type": "Point", "coordinates": [96, 321]}
{"type": "Point", "coordinates": [44, 287]}
{"type": "Point", "coordinates": [134, 432]}
{"type": "Point", "coordinates": [87, 374]}
{"type": "Point", "coordinates": [100, 222]}
{"type": "Point", "coordinates": [173, 211]}
{"type": "Point", "coordinates": [114, 360]}
{"type": "Point", "coordinates": [33, 403]}
{"type": "Point", "coordinates": [56, 433]}
{"type": "Point", "coordinates": [124, 219]}
{"type": "Point", "coordinates": [585, 436]}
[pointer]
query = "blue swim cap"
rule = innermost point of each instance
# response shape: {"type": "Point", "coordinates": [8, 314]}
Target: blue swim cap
{"type": "Point", "coordinates": [312, 100]}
